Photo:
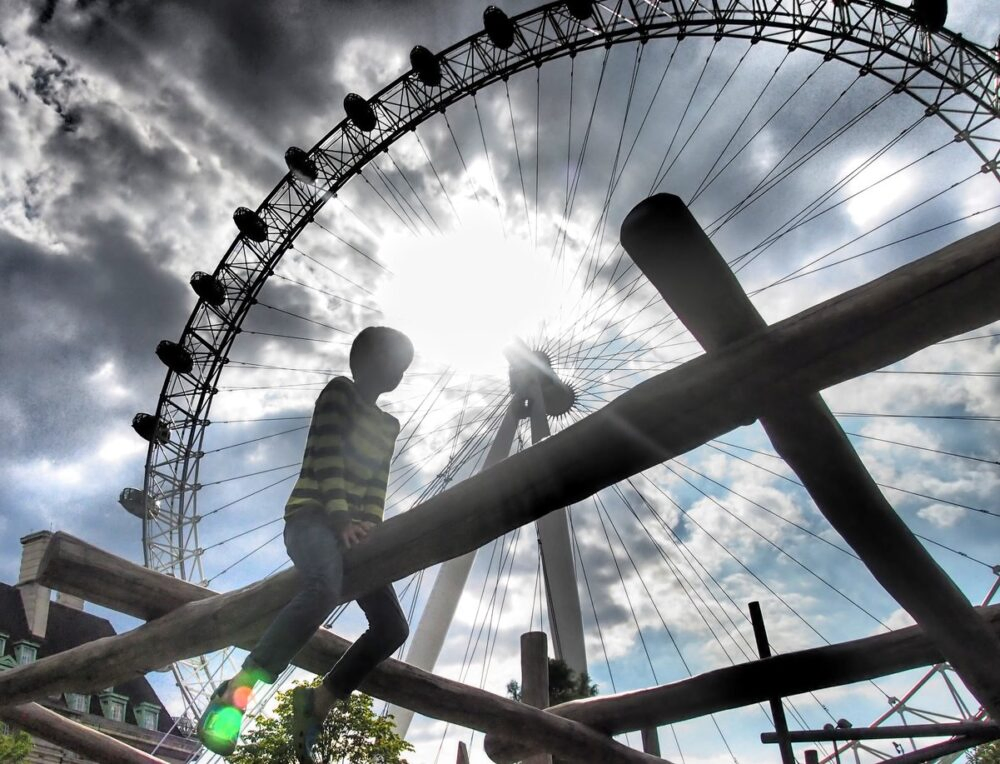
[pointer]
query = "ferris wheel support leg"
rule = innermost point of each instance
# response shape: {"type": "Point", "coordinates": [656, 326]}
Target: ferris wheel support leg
{"type": "Point", "coordinates": [668, 245]}
{"type": "Point", "coordinates": [565, 618]}
{"type": "Point", "coordinates": [440, 609]}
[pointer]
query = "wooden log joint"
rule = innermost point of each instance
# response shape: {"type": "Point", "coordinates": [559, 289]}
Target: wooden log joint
{"type": "Point", "coordinates": [666, 242]}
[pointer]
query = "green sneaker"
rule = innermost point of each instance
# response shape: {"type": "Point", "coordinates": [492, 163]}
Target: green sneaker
{"type": "Point", "coordinates": [219, 726]}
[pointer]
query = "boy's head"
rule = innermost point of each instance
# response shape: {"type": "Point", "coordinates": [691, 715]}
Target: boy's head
{"type": "Point", "coordinates": [380, 357]}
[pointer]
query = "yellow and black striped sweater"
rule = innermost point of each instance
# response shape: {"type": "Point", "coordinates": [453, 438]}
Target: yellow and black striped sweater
{"type": "Point", "coordinates": [345, 467]}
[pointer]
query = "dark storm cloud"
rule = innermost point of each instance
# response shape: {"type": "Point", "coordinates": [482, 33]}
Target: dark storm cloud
{"type": "Point", "coordinates": [267, 64]}
{"type": "Point", "coordinates": [65, 317]}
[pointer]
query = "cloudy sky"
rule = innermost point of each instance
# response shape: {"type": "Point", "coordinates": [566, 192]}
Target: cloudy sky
{"type": "Point", "coordinates": [131, 131]}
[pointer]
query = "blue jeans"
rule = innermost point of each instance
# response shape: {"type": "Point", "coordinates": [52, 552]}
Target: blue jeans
{"type": "Point", "coordinates": [316, 551]}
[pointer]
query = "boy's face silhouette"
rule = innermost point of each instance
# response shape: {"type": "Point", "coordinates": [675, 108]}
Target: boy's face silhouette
{"type": "Point", "coordinates": [380, 372]}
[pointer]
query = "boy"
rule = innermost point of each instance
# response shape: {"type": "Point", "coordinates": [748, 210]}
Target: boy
{"type": "Point", "coordinates": [338, 498]}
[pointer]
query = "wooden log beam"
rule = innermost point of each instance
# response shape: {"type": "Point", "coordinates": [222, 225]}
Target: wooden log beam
{"type": "Point", "coordinates": [47, 724]}
{"type": "Point", "coordinates": [665, 241]}
{"type": "Point", "coordinates": [939, 296]}
{"type": "Point", "coordinates": [748, 683]}
{"type": "Point", "coordinates": [74, 566]}
{"type": "Point", "coordinates": [974, 730]}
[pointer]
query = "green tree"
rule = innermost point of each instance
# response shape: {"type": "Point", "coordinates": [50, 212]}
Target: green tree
{"type": "Point", "coordinates": [352, 733]}
{"type": "Point", "coordinates": [14, 748]}
{"type": "Point", "coordinates": [564, 684]}
{"type": "Point", "coordinates": [987, 753]}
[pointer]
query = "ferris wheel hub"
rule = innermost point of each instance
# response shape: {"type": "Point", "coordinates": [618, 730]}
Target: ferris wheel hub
{"type": "Point", "coordinates": [531, 373]}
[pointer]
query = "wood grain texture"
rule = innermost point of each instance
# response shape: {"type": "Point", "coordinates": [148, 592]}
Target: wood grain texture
{"type": "Point", "coordinates": [665, 241]}
{"type": "Point", "coordinates": [47, 724]}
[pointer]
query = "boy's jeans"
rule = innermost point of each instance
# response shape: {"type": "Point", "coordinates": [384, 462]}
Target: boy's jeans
{"type": "Point", "coordinates": [316, 551]}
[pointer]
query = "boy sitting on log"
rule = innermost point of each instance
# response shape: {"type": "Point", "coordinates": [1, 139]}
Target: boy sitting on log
{"type": "Point", "coordinates": [338, 498]}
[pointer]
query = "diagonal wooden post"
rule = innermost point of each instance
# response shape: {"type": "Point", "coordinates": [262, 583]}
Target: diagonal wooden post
{"type": "Point", "coordinates": [939, 296]}
{"type": "Point", "coordinates": [665, 241]}
{"type": "Point", "coordinates": [47, 724]}
{"type": "Point", "coordinates": [74, 566]}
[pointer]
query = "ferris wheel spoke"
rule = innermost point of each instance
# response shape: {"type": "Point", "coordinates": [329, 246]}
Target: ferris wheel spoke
{"type": "Point", "coordinates": [704, 116]}
{"type": "Point", "coordinates": [403, 211]}
{"type": "Point", "coordinates": [413, 192]}
{"type": "Point", "coordinates": [560, 243]}
{"type": "Point", "coordinates": [659, 175]}
{"type": "Point", "coordinates": [253, 493]}
{"type": "Point", "coordinates": [245, 557]}
{"type": "Point", "coordinates": [763, 126]}
{"type": "Point", "coordinates": [327, 268]}
{"type": "Point", "coordinates": [705, 182]}
{"type": "Point", "coordinates": [803, 216]}
{"type": "Point", "coordinates": [344, 241]}
{"type": "Point", "coordinates": [254, 440]}
{"type": "Point", "coordinates": [517, 154]}
{"type": "Point", "coordinates": [328, 293]}
{"type": "Point", "coordinates": [801, 270]}
{"type": "Point", "coordinates": [774, 177]}
{"type": "Point", "coordinates": [437, 177]}
{"type": "Point", "coordinates": [302, 318]}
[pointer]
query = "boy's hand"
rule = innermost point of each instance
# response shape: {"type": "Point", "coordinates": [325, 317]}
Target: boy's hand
{"type": "Point", "coordinates": [355, 533]}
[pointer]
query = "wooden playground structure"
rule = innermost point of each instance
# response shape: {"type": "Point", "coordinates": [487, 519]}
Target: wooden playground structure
{"type": "Point", "coordinates": [781, 370]}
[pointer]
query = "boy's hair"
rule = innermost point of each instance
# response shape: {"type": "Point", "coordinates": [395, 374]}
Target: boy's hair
{"type": "Point", "coordinates": [382, 341]}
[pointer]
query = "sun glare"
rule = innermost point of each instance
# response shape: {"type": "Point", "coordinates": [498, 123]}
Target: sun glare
{"type": "Point", "coordinates": [462, 296]}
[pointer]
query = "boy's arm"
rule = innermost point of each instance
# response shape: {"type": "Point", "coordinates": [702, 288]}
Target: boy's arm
{"type": "Point", "coordinates": [375, 491]}
{"type": "Point", "coordinates": [330, 423]}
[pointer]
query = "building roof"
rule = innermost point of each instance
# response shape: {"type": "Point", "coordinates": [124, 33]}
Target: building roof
{"type": "Point", "coordinates": [69, 627]}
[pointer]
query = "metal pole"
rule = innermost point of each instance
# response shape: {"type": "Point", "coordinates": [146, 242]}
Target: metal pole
{"type": "Point", "coordinates": [440, 609]}
{"type": "Point", "coordinates": [777, 710]}
{"type": "Point", "coordinates": [558, 568]}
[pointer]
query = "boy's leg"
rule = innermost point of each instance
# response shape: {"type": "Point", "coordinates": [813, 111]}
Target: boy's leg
{"type": "Point", "coordinates": [315, 550]}
{"type": "Point", "coordinates": [387, 630]}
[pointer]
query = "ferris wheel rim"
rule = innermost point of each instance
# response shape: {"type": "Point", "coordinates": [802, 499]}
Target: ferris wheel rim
{"type": "Point", "coordinates": [311, 199]}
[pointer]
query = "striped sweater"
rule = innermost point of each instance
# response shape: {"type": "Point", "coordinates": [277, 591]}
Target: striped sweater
{"type": "Point", "coordinates": [345, 467]}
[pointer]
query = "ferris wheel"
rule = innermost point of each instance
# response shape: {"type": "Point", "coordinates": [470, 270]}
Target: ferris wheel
{"type": "Point", "coordinates": [475, 202]}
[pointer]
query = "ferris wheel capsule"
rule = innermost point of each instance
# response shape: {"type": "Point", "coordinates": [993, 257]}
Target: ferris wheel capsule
{"type": "Point", "coordinates": [174, 356]}
{"type": "Point", "coordinates": [581, 10]}
{"type": "Point", "coordinates": [426, 65]}
{"type": "Point", "coordinates": [208, 288]}
{"type": "Point", "coordinates": [360, 112]}
{"type": "Point", "coordinates": [931, 14]}
{"type": "Point", "coordinates": [137, 502]}
{"type": "Point", "coordinates": [499, 27]}
{"type": "Point", "coordinates": [301, 165]}
{"type": "Point", "coordinates": [250, 224]}
{"type": "Point", "coordinates": [151, 428]}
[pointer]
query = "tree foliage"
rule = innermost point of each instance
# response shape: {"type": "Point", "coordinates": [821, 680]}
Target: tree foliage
{"type": "Point", "coordinates": [352, 733]}
{"type": "Point", "coordinates": [14, 748]}
{"type": "Point", "coordinates": [564, 684]}
{"type": "Point", "coordinates": [987, 753]}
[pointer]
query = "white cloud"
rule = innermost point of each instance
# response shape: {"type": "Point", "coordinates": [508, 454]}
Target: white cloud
{"type": "Point", "coordinates": [941, 515]}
